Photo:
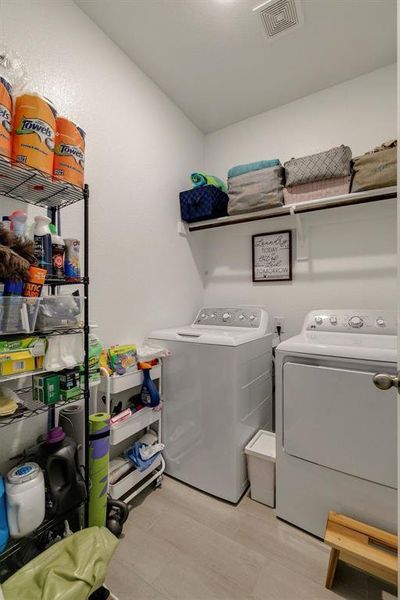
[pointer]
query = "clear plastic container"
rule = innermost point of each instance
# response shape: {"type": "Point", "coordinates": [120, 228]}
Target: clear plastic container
{"type": "Point", "coordinates": [59, 312]}
{"type": "Point", "coordinates": [18, 314]}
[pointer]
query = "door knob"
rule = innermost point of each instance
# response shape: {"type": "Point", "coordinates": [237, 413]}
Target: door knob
{"type": "Point", "coordinates": [384, 381]}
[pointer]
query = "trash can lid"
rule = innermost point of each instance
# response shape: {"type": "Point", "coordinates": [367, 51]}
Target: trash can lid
{"type": "Point", "coordinates": [263, 445]}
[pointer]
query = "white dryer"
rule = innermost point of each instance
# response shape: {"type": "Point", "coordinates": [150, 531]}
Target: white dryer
{"type": "Point", "coordinates": [336, 432]}
{"type": "Point", "coordinates": [217, 388]}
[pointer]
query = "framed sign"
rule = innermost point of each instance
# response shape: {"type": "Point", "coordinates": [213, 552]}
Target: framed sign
{"type": "Point", "coordinates": [272, 256]}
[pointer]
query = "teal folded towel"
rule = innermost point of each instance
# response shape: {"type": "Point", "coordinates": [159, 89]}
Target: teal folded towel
{"type": "Point", "coordinates": [254, 166]}
{"type": "Point", "coordinates": [200, 179]}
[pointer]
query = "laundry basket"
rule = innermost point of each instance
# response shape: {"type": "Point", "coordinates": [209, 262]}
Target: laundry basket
{"type": "Point", "coordinates": [261, 456]}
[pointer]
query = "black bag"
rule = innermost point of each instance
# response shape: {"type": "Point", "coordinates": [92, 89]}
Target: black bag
{"type": "Point", "coordinates": [206, 202]}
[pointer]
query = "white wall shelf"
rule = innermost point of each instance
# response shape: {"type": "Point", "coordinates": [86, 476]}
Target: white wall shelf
{"type": "Point", "coordinates": [301, 207]}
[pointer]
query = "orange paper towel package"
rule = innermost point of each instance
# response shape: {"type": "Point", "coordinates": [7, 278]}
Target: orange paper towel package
{"type": "Point", "coordinates": [34, 128]}
{"type": "Point", "coordinates": [69, 153]}
{"type": "Point", "coordinates": [5, 118]}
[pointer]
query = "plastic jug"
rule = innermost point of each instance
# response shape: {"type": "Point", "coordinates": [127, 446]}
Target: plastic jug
{"type": "Point", "coordinates": [4, 533]}
{"type": "Point", "coordinates": [65, 488]}
{"type": "Point", "coordinates": [25, 499]}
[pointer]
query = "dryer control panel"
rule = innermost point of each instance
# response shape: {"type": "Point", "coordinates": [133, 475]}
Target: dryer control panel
{"type": "Point", "coordinates": [352, 320]}
{"type": "Point", "coordinates": [246, 316]}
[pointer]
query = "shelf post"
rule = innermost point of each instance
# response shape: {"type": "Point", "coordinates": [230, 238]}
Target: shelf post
{"type": "Point", "coordinates": [86, 345]}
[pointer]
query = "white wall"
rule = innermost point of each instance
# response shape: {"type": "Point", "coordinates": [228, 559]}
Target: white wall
{"type": "Point", "coordinates": [140, 150]}
{"type": "Point", "coordinates": [353, 250]}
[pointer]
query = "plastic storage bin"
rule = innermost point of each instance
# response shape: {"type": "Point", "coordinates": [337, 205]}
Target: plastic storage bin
{"type": "Point", "coordinates": [18, 314]}
{"type": "Point", "coordinates": [59, 312]}
{"type": "Point", "coordinates": [261, 456]}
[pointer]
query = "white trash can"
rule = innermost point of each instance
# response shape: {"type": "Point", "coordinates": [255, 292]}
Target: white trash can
{"type": "Point", "coordinates": [261, 456]}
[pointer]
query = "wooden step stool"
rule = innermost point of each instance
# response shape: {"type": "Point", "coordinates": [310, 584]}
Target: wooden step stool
{"type": "Point", "coordinates": [367, 548]}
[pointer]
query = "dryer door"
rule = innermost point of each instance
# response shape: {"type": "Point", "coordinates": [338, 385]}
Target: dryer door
{"type": "Point", "coordinates": [337, 418]}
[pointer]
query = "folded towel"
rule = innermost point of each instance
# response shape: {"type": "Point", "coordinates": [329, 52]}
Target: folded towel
{"type": "Point", "coordinates": [135, 457]}
{"type": "Point", "coordinates": [256, 190]}
{"type": "Point", "coordinates": [254, 166]}
{"type": "Point", "coordinates": [325, 188]}
{"type": "Point", "coordinates": [200, 179]}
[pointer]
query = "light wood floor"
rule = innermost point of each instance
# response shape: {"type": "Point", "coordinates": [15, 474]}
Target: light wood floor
{"type": "Point", "coordinates": [180, 544]}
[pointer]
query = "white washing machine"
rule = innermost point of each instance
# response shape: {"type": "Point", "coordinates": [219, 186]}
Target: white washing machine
{"type": "Point", "coordinates": [336, 432]}
{"type": "Point", "coordinates": [217, 388]}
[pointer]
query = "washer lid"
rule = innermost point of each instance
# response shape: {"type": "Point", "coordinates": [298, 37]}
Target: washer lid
{"type": "Point", "coordinates": [382, 348]}
{"type": "Point", "coordinates": [220, 336]}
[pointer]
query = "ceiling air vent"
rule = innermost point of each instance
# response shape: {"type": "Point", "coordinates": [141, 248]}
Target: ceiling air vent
{"type": "Point", "coordinates": [279, 16]}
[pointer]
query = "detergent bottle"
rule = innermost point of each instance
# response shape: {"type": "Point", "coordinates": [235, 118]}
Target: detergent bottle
{"type": "Point", "coordinates": [149, 395]}
{"type": "Point", "coordinates": [65, 488]}
{"type": "Point", "coordinates": [4, 533]}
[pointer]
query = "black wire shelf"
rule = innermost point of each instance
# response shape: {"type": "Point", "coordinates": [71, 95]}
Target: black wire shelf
{"type": "Point", "coordinates": [35, 187]}
{"type": "Point", "coordinates": [28, 407]}
{"type": "Point", "coordinates": [56, 282]}
{"type": "Point", "coordinates": [43, 334]}
{"type": "Point", "coordinates": [40, 537]}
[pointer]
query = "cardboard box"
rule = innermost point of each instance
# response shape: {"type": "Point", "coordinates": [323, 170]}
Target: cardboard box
{"type": "Point", "coordinates": [46, 388]}
{"type": "Point", "coordinates": [70, 384]}
{"type": "Point", "coordinates": [17, 362]}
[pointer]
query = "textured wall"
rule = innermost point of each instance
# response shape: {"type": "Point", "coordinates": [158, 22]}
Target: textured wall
{"type": "Point", "coordinates": [353, 257]}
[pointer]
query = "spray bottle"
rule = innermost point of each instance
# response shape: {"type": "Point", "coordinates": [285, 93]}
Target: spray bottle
{"type": "Point", "coordinates": [42, 237]}
{"type": "Point", "coordinates": [149, 395]}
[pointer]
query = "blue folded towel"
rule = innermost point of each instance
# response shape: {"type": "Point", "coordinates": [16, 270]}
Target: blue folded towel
{"type": "Point", "coordinates": [254, 166]}
{"type": "Point", "coordinates": [202, 179]}
{"type": "Point", "coordinates": [134, 456]}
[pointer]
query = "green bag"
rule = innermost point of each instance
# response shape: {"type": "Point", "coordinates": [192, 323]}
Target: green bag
{"type": "Point", "coordinates": [69, 570]}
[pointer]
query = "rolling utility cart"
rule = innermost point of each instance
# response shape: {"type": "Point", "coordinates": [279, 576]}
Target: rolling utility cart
{"type": "Point", "coordinates": [134, 482]}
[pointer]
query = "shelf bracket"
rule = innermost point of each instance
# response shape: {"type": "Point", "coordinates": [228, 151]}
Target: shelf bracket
{"type": "Point", "coordinates": [302, 238]}
{"type": "Point", "coordinates": [182, 228]}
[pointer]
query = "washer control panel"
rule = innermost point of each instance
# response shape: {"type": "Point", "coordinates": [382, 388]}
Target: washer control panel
{"type": "Point", "coordinates": [230, 317]}
{"type": "Point", "coordinates": [357, 321]}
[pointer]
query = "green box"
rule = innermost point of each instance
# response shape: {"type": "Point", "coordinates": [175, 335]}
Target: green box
{"type": "Point", "coordinates": [70, 384]}
{"type": "Point", "coordinates": [46, 388]}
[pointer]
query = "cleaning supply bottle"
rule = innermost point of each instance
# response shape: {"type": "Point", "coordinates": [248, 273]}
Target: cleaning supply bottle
{"type": "Point", "coordinates": [65, 488]}
{"type": "Point", "coordinates": [42, 238]}
{"type": "Point", "coordinates": [4, 533]}
{"type": "Point", "coordinates": [72, 267]}
{"type": "Point", "coordinates": [6, 223]}
{"type": "Point", "coordinates": [57, 252]}
{"type": "Point", "coordinates": [24, 499]}
{"type": "Point", "coordinates": [149, 395]}
{"type": "Point", "coordinates": [18, 219]}
{"type": "Point", "coordinates": [34, 284]}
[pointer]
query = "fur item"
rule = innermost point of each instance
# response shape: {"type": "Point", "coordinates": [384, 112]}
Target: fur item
{"type": "Point", "coordinates": [16, 255]}
{"type": "Point", "coordinates": [12, 266]}
{"type": "Point", "coordinates": [22, 246]}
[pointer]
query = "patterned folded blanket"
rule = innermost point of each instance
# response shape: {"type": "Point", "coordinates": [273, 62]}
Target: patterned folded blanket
{"type": "Point", "coordinates": [316, 189]}
{"type": "Point", "coordinates": [200, 179]}
{"type": "Point", "coordinates": [255, 190]}
{"type": "Point", "coordinates": [254, 166]}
